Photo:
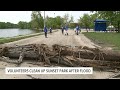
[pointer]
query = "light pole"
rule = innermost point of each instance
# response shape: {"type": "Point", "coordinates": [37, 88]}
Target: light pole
{"type": "Point", "coordinates": [54, 15]}
{"type": "Point", "coordinates": [44, 18]}
{"type": "Point", "coordinates": [54, 20]}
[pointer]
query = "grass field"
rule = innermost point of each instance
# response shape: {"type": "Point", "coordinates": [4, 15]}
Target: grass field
{"type": "Point", "coordinates": [6, 40]}
{"type": "Point", "coordinates": [102, 38]}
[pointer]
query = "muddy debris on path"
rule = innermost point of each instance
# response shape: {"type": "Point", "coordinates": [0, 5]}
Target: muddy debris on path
{"type": "Point", "coordinates": [78, 56]}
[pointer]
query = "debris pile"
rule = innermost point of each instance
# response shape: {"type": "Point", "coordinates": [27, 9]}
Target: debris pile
{"type": "Point", "coordinates": [78, 56]}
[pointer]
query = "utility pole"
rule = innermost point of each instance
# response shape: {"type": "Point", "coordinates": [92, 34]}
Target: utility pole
{"type": "Point", "coordinates": [54, 20]}
{"type": "Point", "coordinates": [54, 15]}
{"type": "Point", "coordinates": [44, 18]}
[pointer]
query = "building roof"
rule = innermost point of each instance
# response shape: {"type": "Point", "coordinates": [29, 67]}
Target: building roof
{"type": "Point", "coordinates": [100, 20]}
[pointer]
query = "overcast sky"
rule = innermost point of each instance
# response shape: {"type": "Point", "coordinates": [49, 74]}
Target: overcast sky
{"type": "Point", "coordinates": [16, 16]}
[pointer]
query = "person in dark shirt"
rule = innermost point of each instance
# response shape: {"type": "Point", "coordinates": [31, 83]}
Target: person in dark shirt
{"type": "Point", "coordinates": [62, 30]}
{"type": "Point", "coordinates": [66, 29]}
{"type": "Point", "coordinates": [45, 30]}
{"type": "Point", "coordinates": [78, 30]}
{"type": "Point", "coordinates": [50, 30]}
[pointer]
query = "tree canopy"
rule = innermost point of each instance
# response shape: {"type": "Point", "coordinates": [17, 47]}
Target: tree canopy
{"type": "Point", "coordinates": [37, 20]}
{"type": "Point", "coordinates": [5, 25]}
{"type": "Point", "coordinates": [87, 21]}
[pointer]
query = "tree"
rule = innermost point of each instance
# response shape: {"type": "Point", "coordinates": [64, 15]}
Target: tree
{"type": "Point", "coordinates": [58, 21]}
{"type": "Point", "coordinates": [85, 21]}
{"type": "Point", "coordinates": [4, 25]}
{"type": "Point", "coordinates": [23, 25]}
{"type": "Point", "coordinates": [37, 20]}
{"type": "Point", "coordinates": [54, 22]}
{"type": "Point", "coordinates": [66, 18]}
{"type": "Point", "coordinates": [73, 25]}
{"type": "Point", "coordinates": [93, 17]}
{"type": "Point", "coordinates": [71, 19]}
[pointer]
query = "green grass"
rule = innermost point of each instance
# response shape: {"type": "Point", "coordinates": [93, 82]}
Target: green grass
{"type": "Point", "coordinates": [102, 38]}
{"type": "Point", "coordinates": [6, 40]}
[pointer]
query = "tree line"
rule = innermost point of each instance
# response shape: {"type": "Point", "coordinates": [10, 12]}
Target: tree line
{"type": "Point", "coordinates": [37, 22]}
{"type": "Point", "coordinates": [5, 25]}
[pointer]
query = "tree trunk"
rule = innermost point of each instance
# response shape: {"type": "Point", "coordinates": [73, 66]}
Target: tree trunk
{"type": "Point", "coordinates": [33, 51]}
{"type": "Point", "coordinates": [96, 64]}
{"type": "Point", "coordinates": [66, 55]}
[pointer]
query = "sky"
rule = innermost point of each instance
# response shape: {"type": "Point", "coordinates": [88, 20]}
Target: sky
{"type": "Point", "coordinates": [16, 16]}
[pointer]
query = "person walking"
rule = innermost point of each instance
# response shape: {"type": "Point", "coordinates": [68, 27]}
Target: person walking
{"type": "Point", "coordinates": [62, 30]}
{"type": "Point", "coordinates": [45, 30]}
{"type": "Point", "coordinates": [66, 30]}
{"type": "Point", "coordinates": [50, 30]}
{"type": "Point", "coordinates": [78, 30]}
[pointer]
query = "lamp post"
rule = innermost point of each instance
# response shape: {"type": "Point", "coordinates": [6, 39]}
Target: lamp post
{"type": "Point", "coordinates": [44, 18]}
{"type": "Point", "coordinates": [54, 20]}
{"type": "Point", "coordinates": [54, 15]}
